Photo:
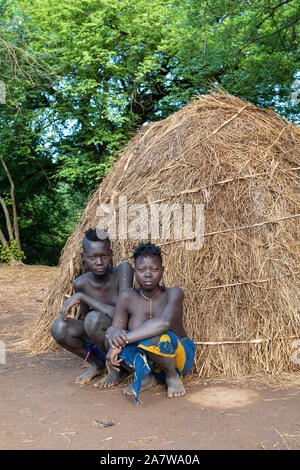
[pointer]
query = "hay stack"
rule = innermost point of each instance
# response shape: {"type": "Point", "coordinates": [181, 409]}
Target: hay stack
{"type": "Point", "coordinates": [241, 162]}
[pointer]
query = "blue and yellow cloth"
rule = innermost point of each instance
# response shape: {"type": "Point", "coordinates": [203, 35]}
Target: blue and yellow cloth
{"type": "Point", "coordinates": [170, 345]}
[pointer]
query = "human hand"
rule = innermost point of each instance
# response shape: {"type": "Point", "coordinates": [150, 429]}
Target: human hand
{"type": "Point", "coordinates": [111, 359]}
{"type": "Point", "coordinates": [117, 337]}
{"type": "Point", "coordinates": [69, 303]}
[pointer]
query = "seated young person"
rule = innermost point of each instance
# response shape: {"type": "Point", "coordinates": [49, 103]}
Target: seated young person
{"type": "Point", "coordinates": [147, 335]}
{"type": "Point", "coordinates": [97, 292]}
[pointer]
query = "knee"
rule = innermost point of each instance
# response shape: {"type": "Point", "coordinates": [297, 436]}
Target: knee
{"type": "Point", "coordinates": [95, 322]}
{"type": "Point", "coordinates": [91, 322]}
{"type": "Point", "coordinates": [165, 363]}
{"type": "Point", "coordinates": [59, 329]}
{"type": "Point", "coordinates": [154, 341]}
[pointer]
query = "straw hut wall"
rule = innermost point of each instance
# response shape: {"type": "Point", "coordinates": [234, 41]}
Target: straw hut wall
{"type": "Point", "coordinates": [241, 164]}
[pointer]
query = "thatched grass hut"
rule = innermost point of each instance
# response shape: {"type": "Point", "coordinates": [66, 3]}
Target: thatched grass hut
{"type": "Point", "coordinates": [242, 287]}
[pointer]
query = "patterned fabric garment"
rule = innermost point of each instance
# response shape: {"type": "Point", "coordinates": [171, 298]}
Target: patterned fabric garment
{"type": "Point", "coordinates": [170, 345]}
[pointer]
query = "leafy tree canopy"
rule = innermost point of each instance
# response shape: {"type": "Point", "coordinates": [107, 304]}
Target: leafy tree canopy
{"type": "Point", "coordinates": [82, 76]}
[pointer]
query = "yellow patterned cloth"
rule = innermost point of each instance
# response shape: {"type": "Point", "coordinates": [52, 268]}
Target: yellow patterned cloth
{"type": "Point", "coordinates": [169, 345]}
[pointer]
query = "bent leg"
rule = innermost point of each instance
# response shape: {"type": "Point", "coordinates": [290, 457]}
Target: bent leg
{"type": "Point", "coordinates": [174, 383]}
{"type": "Point", "coordinates": [95, 325]}
{"type": "Point", "coordinates": [114, 377]}
{"type": "Point", "coordinates": [148, 382]}
{"type": "Point", "coordinates": [71, 335]}
{"type": "Point", "coordinates": [164, 359]}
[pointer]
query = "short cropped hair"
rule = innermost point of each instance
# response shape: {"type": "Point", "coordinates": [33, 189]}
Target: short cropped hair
{"type": "Point", "coordinates": [147, 249]}
{"type": "Point", "coordinates": [94, 235]}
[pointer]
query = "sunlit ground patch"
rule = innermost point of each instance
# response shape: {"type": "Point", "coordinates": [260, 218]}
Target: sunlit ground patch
{"type": "Point", "coordinates": [223, 397]}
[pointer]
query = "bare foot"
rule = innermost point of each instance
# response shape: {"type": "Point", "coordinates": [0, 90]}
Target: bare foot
{"type": "Point", "coordinates": [175, 386]}
{"type": "Point", "coordinates": [89, 374]}
{"type": "Point", "coordinates": [148, 382]}
{"type": "Point", "coordinates": [111, 379]}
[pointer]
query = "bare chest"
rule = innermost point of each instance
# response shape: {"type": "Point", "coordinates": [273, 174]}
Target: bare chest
{"type": "Point", "coordinates": [106, 292]}
{"type": "Point", "coordinates": [141, 310]}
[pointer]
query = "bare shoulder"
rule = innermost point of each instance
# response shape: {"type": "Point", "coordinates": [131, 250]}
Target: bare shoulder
{"type": "Point", "coordinates": [124, 268]}
{"type": "Point", "coordinates": [81, 282]}
{"type": "Point", "coordinates": [174, 293]}
{"type": "Point", "coordinates": [124, 275]}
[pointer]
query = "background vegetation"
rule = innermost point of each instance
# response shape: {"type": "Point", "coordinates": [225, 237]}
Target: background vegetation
{"type": "Point", "coordinates": [78, 78]}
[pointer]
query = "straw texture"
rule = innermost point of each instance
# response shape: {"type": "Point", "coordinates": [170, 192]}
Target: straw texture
{"type": "Point", "coordinates": [242, 163]}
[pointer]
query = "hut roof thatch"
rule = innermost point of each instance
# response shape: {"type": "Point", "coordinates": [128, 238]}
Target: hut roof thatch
{"type": "Point", "coordinates": [241, 163]}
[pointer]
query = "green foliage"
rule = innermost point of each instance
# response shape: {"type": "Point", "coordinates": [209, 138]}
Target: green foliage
{"type": "Point", "coordinates": [9, 251]}
{"type": "Point", "coordinates": [250, 48]}
{"type": "Point", "coordinates": [82, 76]}
{"type": "Point", "coordinates": [48, 220]}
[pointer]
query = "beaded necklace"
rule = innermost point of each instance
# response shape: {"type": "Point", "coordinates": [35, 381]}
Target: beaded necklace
{"type": "Point", "coordinates": [150, 300]}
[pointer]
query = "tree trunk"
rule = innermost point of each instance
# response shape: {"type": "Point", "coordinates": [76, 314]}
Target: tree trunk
{"type": "Point", "coordinates": [14, 207]}
{"type": "Point", "coordinates": [8, 222]}
{"type": "Point", "coordinates": [13, 231]}
{"type": "Point", "coordinates": [2, 238]}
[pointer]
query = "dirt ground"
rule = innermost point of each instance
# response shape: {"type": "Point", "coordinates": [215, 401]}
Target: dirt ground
{"type": "Point", "coordinates": [42, 408]}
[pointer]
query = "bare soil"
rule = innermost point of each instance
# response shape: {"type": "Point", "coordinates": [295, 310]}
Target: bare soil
{"type": "Point", "coordinates": [42, 408]}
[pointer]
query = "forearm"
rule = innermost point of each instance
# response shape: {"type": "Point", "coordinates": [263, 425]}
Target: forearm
{"type": "Point", "coordinates": [153, 327]}
{"type": "Point", "coordinates": [96, 305]}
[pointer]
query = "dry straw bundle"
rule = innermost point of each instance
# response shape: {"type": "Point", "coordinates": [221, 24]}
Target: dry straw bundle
{"type": "Point", "coordinates": [241, 162]}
